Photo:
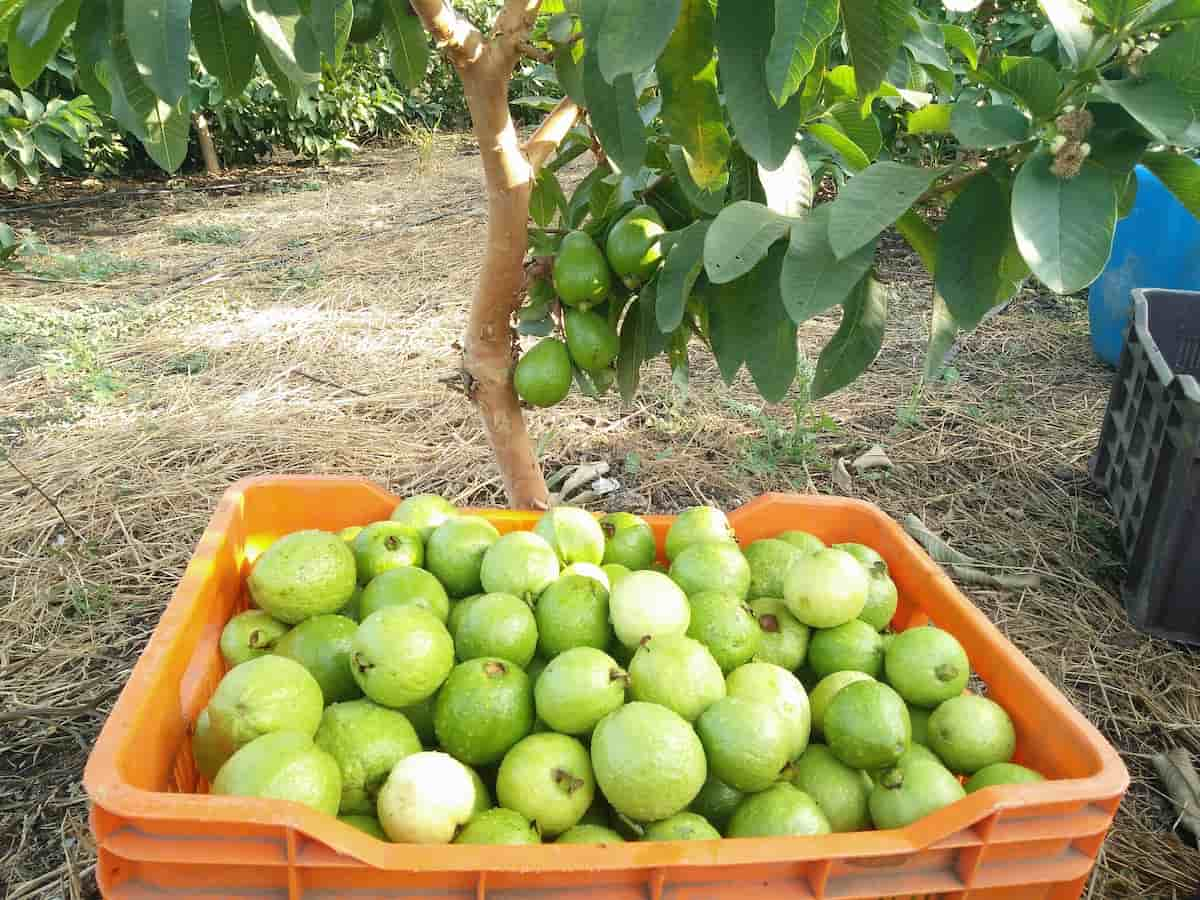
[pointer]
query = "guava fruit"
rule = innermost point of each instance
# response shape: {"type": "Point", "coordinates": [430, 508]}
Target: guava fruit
{"type": "Point", "coordinates": [1001, 773]}
{"type": "Point", "coordinates": [803, 541]}
{"type": "Point", "coordinates": [782, 640]}
{"type": "Point", "coordinates": [283, 765]}
{"type": "Point", "coordinates": [927, 666]}
{"type": "Point", "coordinates": [676, 672]}
{"type": "Point", "coordinates": [838, 789]}
{"type": "Point", "coordinates": [426, 798]}
{"type": "Point", "coordinates": [629, 541]}
{"type": "Point", "coordinates": [717, 802]}
{"type": "Point", "coordinates": [782, 691]}
{"type": "Point", "coordinates": [366, 740]}
{"type": "Point", "coordinates": [712, 566]}
{"type": "Point", "coordinates": [827, 688]}
{"type": "Point", "coordinates": [866, 725]}
{"type": "Point", "coordinates": [826, 588]}
{"type": "Point", "coordinates": [368, 21]}
{"type": "Point", "coordinates": [745, 742]}
{"type": "Point", "coordinates": [323, 645]}
{"type": "Point", "coordinates": [768, 560]}
{"type": "Point", "coordinates": [853, 645]}
{"type": "Point", "coordinates": [303, 574]}
{"type": "Point", "coordinates": [249, 634]}
{"type": "Point", "coordinates": [634, 246]}
{"type": "Point", "coordinates": [589, 834]}
{"type": "Point", "coordinates": [910, 790]}
{"type": "Point", "coordinates": [386, 545]}
{"type": "Point", "coordinates": [401, 655]}
{"type": "Point", "coordinates": [580, 272]}
{"type": "Point", "coordinates": [578, 688]}
{"type": "Point", "coordinates": [498, 826]}
{"type": "Point", "coordinates": [970, 732]}
{"type": "Point", "coordinates": [647, 604]}
{"type": "Point", "coordinates": [590, 570]}
{"type": "Point", "coordinates": [455, 550]}
{"type": "Point", "coordinates": [726, 626]}
{"type": "Point", "coordinates": [543, 373]}
{"type": "Point", "coordinates": [697, 525]}
{"type": "Point", "coordinates": [521, 563]}
{"type": "Point", "coordinates": [779, 811]}
{"type": "Point", "coordinates": [548, 779]}
{"type": "Point", "coordinates": [592, 343]}
{"type": "Point", "coordinates": [497, 625]}
{"type": "Point", "coordinates": [402, 586]}
{"type": "Point", "coordinates": [424, 513]}
{"type": "Point", "coordinates": [684, 826]}
{"type": "Point", "coordinates": [366, 824]}
{"type": "Point", "coordinates": [485, 706]}
{"type": "Point", "coordinates": [573, 533]}
{"type": "Point", "coordinates": [572, 612]}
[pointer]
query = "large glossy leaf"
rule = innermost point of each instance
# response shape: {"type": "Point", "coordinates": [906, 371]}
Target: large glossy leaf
{"type": "Point", "coordinates": [632, 34]}
{"type": "Point", "coordinates": [857, 341]}
{"type": "Point", "coordinates": [288, 38]}
{"type": "Point", "coordinates": [1072, 23]}
{"type": "Point", "coordinates": [988, 127]}
{"type": "Point", "coordinates": [90, 42]}
{"type": "Point", "coordinates": [1177, 59]}
{"type": "Point", "coordinates": [813, 280]}
{"type": "Point", "coordinates": [942, 332]}
{"type": "Point", "coordinates": [874, 32]}
{"type": "Point", "coordinates": [691, 107]}
{"type": "Point", "coordinates": [1179, 174]}
{"type": "Point", "coordinates": [331, 23]}
{"type": "Point", "coordinates": [766, 131]}
{"type": "Point", "coordinates": [834, 138]}
{"type": "Point", "coordinates": [738, 238]}
{"type": "Point", "coordinates": [931, 119]}
{"type": "Point", "coordinates": [748, 324]}
{"type": "Point", "coordinates": [1030, 79]}
{"type": "Point", "coordinates": [962, 41]}
{"type": "Point", "coordinates": [710, 202]}
{"type": "Point", "coordinates": [1169, 13]}
{"type": "Point", "coordinates": [927, 44]}
{"type": "Point", "coordinates": [1064, 228]}
{"type": "Point", "coordinates": [27, 60]}
{"type": "Point", "coordinates": [160, 36]}
{"type": "Point", "coordinates": [640, 340]}
{"type": "Point", "coordinates": [1116, 14]}
{"type": "Point", "coordinates": [568, 66]}
{"type": "Point", "coordinates": [33, 20]}
{"type": "Point", "coordinates": [789, 188]}
{"type": "Point", "coordinates": [800, 26]}
{"type": "Point", "coordinates": [408, 43]}
{"type": "Point", "coordinates": [225, 43]}
{"type": "Point", "coordinates": [872, 200]}
{"type": "Point", "coordinates": [612, 108]}
{"type": "Point", "coordinates": [683, 262]}
{"type": "Point", "coordinates": [546, 199]}
{"type": "Point", "coordinates": [977, 251]}
{"type": "Point", "coordinates": [1157, 104]}
{"type": "Point", "coordinates": [863, 130]}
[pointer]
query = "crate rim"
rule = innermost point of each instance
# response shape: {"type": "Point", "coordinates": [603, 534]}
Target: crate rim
{"type": "Point", "coordinates": [1141, 321]}
{"type": "Point", "coordinates": [106, 788]}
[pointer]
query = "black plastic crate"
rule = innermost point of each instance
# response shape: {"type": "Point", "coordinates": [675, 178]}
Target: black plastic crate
{"type": "Point", "coordinates": [1148, 462]}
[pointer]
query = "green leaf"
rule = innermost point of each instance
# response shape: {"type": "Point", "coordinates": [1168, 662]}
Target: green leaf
{"type": "Point", "coordinates": [1116, 14]}
{"type": "Point", "coordinates": [789, 188]}
{"type": "Point", "coordinates": [988, 127]}
{"type": "Point", "coordinates": [331, 23]}
{"type": "Point", "coordinates": [976, 249]}
{"type": "Point", "coordinates": [872, 200]}
{"type": "Point", "coordinates": [1160, 14]}
{"type": "Point", "coordinates": [581, 198]}
{"type": "Point", "coordinates": [614, 114]}
{"type": "Point", "coordinates": [691, 107]}
{"type": "Point", "coordinates": [931, 119]}
{"type": "Point", "coordinates": [1179, 174]}
{"type": "Point", "coordinates": [27, 60]}
{"type": "Point", "coordinates": [568, 66]}
{"type": "Point", "coordinates": [748, 324]}
{"type": "Point", "coordinates": [1157, 104]}
{"type": "Point", "coordinates": [710, 202]}
{"type": "Point", "coordinates": [640, 340]}
{"type": "Point", "coordinates": [928, 46]}
{"type": "Point", "coordinates": [546, 199]}
{"type": "Point", "coordinates": [1029, 79]}
{"type": "Point", "coordinates": [1071, 20]}
{"type": "Point", "coordinates": [1064, 228]}
{"type": "Point", "coordinates": [35, 20]}
{"type": "Point", "coordinates": [683, 261]}
{"type": "Point", "coordinates": [874, 30]}
{"type": "Point", "coordinates": [160, 37]}
{"type": "Point", "coordinates": [962, 41]}
{"type": "Point", "coordinates": [743, 178]}
{"type": "Point", "coordinates": [632, 33]}
{"type": "Point", "coordinates": [738, 238]}
{"type": "Point", "coordinates": [836, 139]}
{"type": "Point", "coordinates": [288, 38]}
{"type": "Point", "coordinates": [765, 130]}
{"type": "Point", "coordinates": [863, 130]}
{"type": "Point", "coordinates": [942, 332]}
{"type": "Point", "coordinates": [1177, 59]}
{"type": "Point", "coordinates": [800, 27]}
{"type": "Point", "coordinates": [91, 45]}
{"type": "Point", "coordinates": [224, 39]}
{"type": "Point", "coordinates": [407, 41]}
{"type": "Point", "coordinates": [857, 341]}
{"type": "Point", "coordinates": [813, 280]}
{"type": "Point", "coordinates": [560, 27]}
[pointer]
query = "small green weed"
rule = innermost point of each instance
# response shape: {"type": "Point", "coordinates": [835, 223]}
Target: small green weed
{"type": "Point", "coordinates": [91, 265]}
{"type": "Point", "coordinates": [82, 601]}
{"type": "Point", "coordinates": [208, 234]}
{"type": "Point", "coordinates": [188, 363]}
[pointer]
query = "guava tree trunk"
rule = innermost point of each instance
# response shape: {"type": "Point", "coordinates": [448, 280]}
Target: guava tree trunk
{"type": "Point", "coordinates": [208, 150]}
{"type": "Point", "coordinates": [485, 68]}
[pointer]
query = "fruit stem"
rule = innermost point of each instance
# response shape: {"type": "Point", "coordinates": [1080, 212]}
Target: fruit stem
{"type": "Point", "coordinates": [769, 623]}
{"type": "Point", "coordinates": [892, 779]}
{"type": "Point", "coordinates": [618, 675]}
{"type": "Point", "coordinates": [494, 669]}
{"type": "Point", "coordinates": [361, 664]}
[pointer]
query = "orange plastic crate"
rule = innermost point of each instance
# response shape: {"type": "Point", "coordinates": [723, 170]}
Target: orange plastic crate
{"type": "Point", "coordinates": [159, 834]}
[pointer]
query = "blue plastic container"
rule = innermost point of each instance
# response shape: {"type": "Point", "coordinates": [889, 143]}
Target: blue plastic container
{"type": "Point", "coordinates": [1156, 246]}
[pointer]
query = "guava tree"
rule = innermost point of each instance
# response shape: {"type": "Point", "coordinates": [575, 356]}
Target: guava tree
{"type": "Point", "coordinates": [703, 122]}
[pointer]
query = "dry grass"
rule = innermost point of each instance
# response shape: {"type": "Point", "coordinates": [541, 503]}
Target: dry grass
{"type": "Point", "coordinates": [325, 341]}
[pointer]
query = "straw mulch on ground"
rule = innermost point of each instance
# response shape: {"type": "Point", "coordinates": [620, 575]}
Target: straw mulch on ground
{"type": "Point", "coordinates": [324, 340]}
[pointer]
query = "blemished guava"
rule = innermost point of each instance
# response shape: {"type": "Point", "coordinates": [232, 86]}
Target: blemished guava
{"type": "Point", "coordinates": [866, 725]}
{"type": "Point", "coordinates": [401, 586]}
{"type": "Point", "coordinates": [1002, 773]}
{"type": "Point", "coordinates": [838, 789]}
{"type": "Point", "coordinates": [578, 688]}
{"type": "Point", "coordinates": [249, 634]}
{"type": "Point", "coordinates": [303, 574]}
{"type": "Point", "coordinates": [572, 612]}
{"type": "Point", "coordinates": [676, 672]}
{"type": "Point", "coordinates": [648, 604]}
{"type": "Point", "coordinates": [498, 625]}
{"type": "Point", "coordinates": [782, 691]}
{"type": "Point", "coordinates": [485, 706]}
{"type": "Point", "coordinates": [424, 513]}
{"type": "Point", "coordinates": [648, 761]}
{"type": "Point", "coordinates": [498, 826]}
{"type": "Point", "coordinates": [745, 742]}
{"type": "Point", "coordinates": [283, 765]}
{"type": "Point", "coordinates": [401, 655]}
{"type": "Point", "coordinates": [854, 645]}
{"type": "Point", "coordinates": [580, 272]}
{"type": "Point", "coordinates": [386, 545]}
{"type": "Point", "coordinates": [262, 695]}
{"type": "Point", "coordinates": [912, 789]}
{"type": "Point", "coordinates": [366, 740]}
{"type": "Point", "coordinates": [542, 376]}
{"type": "Point", "coordinates": [629, 541]}
{"type": "Point", "coordinates": [726, 626]}
{"type": "Point", "coordinates": [712, 566]}
{"type": "Point", "coordinates": [548, 779]}
{"type": "Point", "coordinates": [520, 563]}
{"type": "Point", "coordinates": [323, 645]}
{"type": "Point", "coordinates": [697, 525]}
{"type": "Point", "coordinates": [455, 550]}
{"type": "Point", "coordinates": [684, 826]}
{"type": "Point", "coordinates": [574, 534]}
{"type": "Point", "coordinates": [927, 666]}
{"type": "Point", "coordinates": [970, 732]}
{"type": "Point", "coordinates": [782, 640]}
{"type": "Point", "coordinates": [826, 589]}
{"type": "Point", "coordinates": [781, 810]}
{"type": "Point", "coordinates": [769, 560]}
{"type": "Point", "coordinates": [426, 798]}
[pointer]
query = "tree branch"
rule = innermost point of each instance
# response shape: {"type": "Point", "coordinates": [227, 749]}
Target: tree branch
{"type": "Point", "coordinates": [512, 29]}
{"type": "Point", "coordinates": [551, 132]}
{"type": "Point", "coordinates": [538, 54]}
{"type": "Point", "coordinates": [451, 33]}
{"type": "Point", "coordinates": [949, 187]}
